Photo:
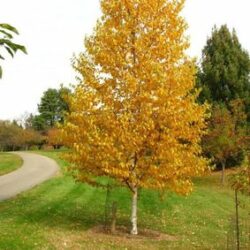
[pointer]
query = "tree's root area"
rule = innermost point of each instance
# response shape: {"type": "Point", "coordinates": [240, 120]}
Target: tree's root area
{"type": "Point", "coordinates": [123, 232]}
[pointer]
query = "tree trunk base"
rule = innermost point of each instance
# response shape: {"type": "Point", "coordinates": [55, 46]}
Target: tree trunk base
{"type": "Point", "coordinates": [134, 230]}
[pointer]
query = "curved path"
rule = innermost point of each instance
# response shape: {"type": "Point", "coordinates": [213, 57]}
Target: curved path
{"type": "Point", "coordinates": [35, 170]}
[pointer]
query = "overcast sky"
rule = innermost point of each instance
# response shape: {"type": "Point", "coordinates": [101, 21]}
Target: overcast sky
{"type": "Point", "coordinates": [53, 30]}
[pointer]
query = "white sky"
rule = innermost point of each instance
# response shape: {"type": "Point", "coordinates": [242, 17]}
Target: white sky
{"type": "Point", "coordinates": [52, 30]}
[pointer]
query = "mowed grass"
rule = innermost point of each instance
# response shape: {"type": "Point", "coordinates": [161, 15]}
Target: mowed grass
{"type": "Point", "coordinates": [59, 214]}
{"type": "Point", "coordinates": [9, 162]}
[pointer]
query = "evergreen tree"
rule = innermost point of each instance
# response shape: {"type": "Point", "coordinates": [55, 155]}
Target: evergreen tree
{"type": "Point", "coordinates": [51, 108]}
{"type": "Point", "coordinates": [225, 68]}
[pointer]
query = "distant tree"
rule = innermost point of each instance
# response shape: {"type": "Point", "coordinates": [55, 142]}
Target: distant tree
{"type": "Point", "coordinates": [225, 69]}
{"type": "Point", "coordinates": [6, 36]}
{"type": "Point", "coordinates": [54, 138]}
{"type": "Point", "coordinates": [226, 131]}
{"type": "Point", "coordinates": [27, 120]}
{"type": "Point", "coordinates": [31, 137]}
{"type": "Point", "coordinates": [38, 123]}
{"type": "Point", "coordinates": [51, 108]}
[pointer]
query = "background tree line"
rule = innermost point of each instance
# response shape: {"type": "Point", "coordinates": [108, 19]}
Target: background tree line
{"type": "Point", "coordinates": [36, 131]}
{"type": "Point", "coordinates": [15, 137]}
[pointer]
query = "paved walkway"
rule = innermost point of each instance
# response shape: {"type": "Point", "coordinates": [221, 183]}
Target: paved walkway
{"type": "Point", "coordinates": [35, 170]}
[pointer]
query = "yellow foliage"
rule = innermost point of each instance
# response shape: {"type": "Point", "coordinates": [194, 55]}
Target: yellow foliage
{"type": "Point", "coordinates": [134, 115]}
{"type": "Point", "coordinates": [54, 137]}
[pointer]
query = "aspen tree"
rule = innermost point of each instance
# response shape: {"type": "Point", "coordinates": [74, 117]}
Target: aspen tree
{"type": "Point", "coordinates": [133, 115]}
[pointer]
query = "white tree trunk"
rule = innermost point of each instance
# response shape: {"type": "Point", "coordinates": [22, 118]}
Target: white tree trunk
{"type": "Point", "coordinates": [134, 212]}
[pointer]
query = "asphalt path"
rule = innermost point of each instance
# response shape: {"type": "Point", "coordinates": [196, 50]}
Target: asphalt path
{"type": "Point", "coordinates": [35, 170]}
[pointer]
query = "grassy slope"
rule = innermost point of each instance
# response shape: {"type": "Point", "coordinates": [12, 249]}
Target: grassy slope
{"type": "Point", "coordinates": [9, 163]}
{"type": "Point", "coordinates": [58, 214]}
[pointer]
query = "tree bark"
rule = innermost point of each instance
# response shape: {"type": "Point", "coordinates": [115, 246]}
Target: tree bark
{"type": "Point", "coordinates": [134, 230]}
{"type": "Point", "coordinates": [223, 173]}
{"type": "Point", "coordinates": [113, 222]}
{"type": "Point", "coordinates": [106, 212]}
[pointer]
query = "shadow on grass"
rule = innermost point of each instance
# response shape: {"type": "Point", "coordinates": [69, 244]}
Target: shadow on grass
{"type": "Point", "coordinates": [67, 205]}
{"type": "Point", "coordinates": [57, 203]}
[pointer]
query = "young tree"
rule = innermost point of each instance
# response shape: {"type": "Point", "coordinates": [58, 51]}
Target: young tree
{"type": "Point", "coordinates": [6, 36]}
{"type": "Point", "coordinates": [226, 132]}
{"type": "Point", "coordinates": [225, 69]}
{"type": "Point", "coordinates": [133, 116]}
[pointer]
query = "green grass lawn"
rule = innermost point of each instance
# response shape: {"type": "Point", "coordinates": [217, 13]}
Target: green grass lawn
{"type": "Point", "coordinates": [9, 163]}
{"type": "Point", "coordinates": [61, 214]}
